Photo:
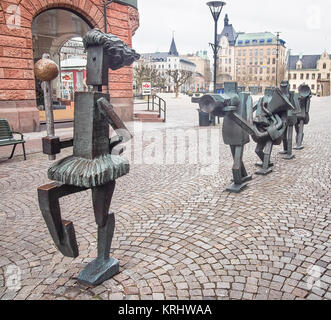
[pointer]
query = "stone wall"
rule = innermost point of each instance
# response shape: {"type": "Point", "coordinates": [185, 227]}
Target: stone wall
{"type": "Point", "coordinates": [17, 84]}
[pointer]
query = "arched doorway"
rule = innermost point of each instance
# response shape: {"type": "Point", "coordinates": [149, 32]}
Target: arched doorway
{"type": "Point", "coordinates": [59, 33]}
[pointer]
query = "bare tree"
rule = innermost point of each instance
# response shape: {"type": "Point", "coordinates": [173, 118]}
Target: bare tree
{"type": "Point", "coordinates": [179, 77]}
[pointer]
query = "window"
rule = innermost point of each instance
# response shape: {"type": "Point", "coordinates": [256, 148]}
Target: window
{"type": "Point", "coordinates": [318, 87]}
{"type": "Point", "coordinates": [294, 86]}
{"type": "Point", "coordinates": [289, 76]}
{"type": "Point", "coordinates": [251, 52]}
{"type": "Point", "coordinates": [239, 53]}
{"type": "Point", "coordinates": [261, 70]}
{"type": "Point", "coordinates": [273, 70]}
{"type": "Point", "coordinates": [324, 66]}
{"type": "Point", "coordinates": [273, 61]}
{"type": "Point", "coordinates": [328, 76]}
{"type": "Point", "coordinates": [261, 52]}
{"type": "Point", "coordinates": [312, 87]}
{"type": "Point", "coordinates": [268, 62]}
{"type": "Point", "coordinates": [307, 76]}
{"type": "Point", "coordinates": [319, 76]}
{"type": "Point", "coordinates": [294, 76]}
{"type": "Point", "coordinates": [268, 52]}
{"type": "Point", "coordinates": [313, 76]}
{"type": "Point", "coordinates": [229, 60]}
{"type": "Point", "coordinates": [302, 76]}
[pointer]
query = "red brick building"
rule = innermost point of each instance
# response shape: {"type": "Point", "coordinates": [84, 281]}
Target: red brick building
{"type": "Point", "coordinates": [22, 41]}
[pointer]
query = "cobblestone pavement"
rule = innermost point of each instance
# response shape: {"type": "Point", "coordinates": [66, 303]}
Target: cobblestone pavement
{"type": "Point", "coordinates": [178, 234]}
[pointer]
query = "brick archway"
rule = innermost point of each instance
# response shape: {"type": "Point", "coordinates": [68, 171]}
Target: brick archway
{"type": "Point", "coordinates": [17, 84]}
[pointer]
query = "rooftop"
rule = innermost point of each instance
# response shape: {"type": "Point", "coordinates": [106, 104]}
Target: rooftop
{"type": "Point", "coordinates": [308, 61]}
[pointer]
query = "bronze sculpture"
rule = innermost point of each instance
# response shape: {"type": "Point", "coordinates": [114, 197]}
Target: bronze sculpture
{"type": "Point", "coordinates": [96, 162]}
{"type": "Point", "coordinates": [291, 120]}
{"type": "Point", "coordinates": [303, 115]}
{"type": "Point", "coordinates": [241, 104]}
{"type": "Point", "coordinates": [267, 128]}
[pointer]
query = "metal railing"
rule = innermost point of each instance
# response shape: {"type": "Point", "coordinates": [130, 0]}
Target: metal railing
{"type": "Point", "coordinates": [154, 103]}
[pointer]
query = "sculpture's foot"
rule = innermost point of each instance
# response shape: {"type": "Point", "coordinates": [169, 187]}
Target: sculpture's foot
{"type": "Point", "coordinates": [289, 157]}
{"type": "Point", "coordinates": [264, 172]}
{"type": "Point", "coordinates": [68, 246]}
{"type": "Point", "coordinates": [245, 179]}
{"type": "Point", "coordinates": [236, 188]}
{"type": "Point", "coordinates": [298, 147]}
{"type": "Point", "coordinates": [99, 271]}
{"type": "Point", "coordinates": [260, 164]}
{"type": "Point", "coordinates": [282, 152]}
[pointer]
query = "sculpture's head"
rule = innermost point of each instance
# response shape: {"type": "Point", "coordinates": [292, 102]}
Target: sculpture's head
{"type": "Point", "coordinates": [105, 51]}
{"type": "Point", "coordinates": [304, 91]}
{"type": "Point", "coordinates": [285, 87]}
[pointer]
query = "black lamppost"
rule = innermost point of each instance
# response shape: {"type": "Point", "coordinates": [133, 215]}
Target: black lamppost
{"type": "Point", "coordinates": [215, 9]}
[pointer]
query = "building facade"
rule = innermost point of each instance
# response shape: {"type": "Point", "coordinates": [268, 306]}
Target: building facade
{"type": "Point", "coordinates": [202, 76]}
{"type": "Point", "coordinates": [313, 70]}
{"type": "Point", "coordinates": [254, 60]}
{"type": "Point", "coordinates": [165, 61]}
{"type": "Point", "coordinates": [29, 28]}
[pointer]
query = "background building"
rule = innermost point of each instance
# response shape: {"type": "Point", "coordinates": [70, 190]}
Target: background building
{"type": "Point", "coordinates": [165, 61]}
{"type": "Point", "coordinates": [202, 76]}
{"type": "Point", "coordinates": [254, 60]}
{"type": "Point", "coordinates": [29, 28]}
{"type": "Point", "coordinates": [313, 70]}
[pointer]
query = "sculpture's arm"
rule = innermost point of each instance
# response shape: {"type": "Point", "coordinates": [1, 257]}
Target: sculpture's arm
{"type": "Point", "coordinates": [113, 119]}
{"type": "Point", "coordinates": [245, 125]}
{"type": "Point", "coordinates": [123, 134]}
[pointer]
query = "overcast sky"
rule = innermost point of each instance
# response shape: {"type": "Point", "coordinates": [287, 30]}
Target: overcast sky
{"type": "Point", "coordinates": [305, 24]}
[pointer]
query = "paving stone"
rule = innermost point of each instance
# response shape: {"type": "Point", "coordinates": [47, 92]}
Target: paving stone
{"type": "Point", "coordinates": [178, 234]}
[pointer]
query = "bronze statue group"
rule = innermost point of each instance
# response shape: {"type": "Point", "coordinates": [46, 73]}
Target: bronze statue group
{"type": "Point", "coordinates": [269, 122]}
{"type": "Point", "coordinates": [96, 162]}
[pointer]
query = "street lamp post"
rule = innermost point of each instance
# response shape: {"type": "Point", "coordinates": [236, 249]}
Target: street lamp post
{"type": "Point", "coordinates": [215, 9]}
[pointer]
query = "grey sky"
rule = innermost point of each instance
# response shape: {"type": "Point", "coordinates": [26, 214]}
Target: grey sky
{"type": "Point", "coordinates": [305, 24]}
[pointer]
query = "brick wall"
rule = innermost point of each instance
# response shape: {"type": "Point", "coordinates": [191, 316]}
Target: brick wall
{"type": "Point", "coordinates": [17, 84]}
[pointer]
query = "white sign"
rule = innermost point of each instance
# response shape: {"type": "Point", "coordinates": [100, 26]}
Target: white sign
{"type": "Point", "coordinates": [146, 88]}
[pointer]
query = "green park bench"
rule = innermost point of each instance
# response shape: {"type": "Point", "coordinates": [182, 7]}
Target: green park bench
{"type": "Point", "coordinates": [7, 137]}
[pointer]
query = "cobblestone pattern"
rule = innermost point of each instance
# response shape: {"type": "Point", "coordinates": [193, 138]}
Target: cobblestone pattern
{"type": "Point", "coordinates": [179, 235]}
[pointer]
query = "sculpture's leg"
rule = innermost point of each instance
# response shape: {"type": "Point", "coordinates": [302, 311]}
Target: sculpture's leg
{"type": "Point", "coordinates": [239, 184]}
{"type": "Point", "coordinates": [260, 152]}
{"type": "Point", "coordinates": [299, 139]}
{"type": "Point", "coordinates": [289, 155]}
{"type": "Point", "coordinates": [285, 142]}
{"type": "Point", "coordinates": [62, 231]}
{"type": "Point", "coordinates": [104, 267]}
{"type": "Point", "coordinates": [266, 167]}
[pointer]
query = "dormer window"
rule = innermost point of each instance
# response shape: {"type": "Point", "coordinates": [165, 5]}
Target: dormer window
{"type": "Point", "coordinates": [324, 66]}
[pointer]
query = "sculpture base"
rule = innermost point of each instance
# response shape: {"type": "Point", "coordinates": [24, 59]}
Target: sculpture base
{"type": "Point", "coordinates": [289, 157]}
{"type": "Point", "coordinates": [260, 164]}
{"type": "Point", "coordinates": [236, 188]}
{"type": "Point", "coordinates": [99, 271]}
{"type": "Point", "coordinates": [299, 148]}
{"type": "Point", "coordinates": [264, 172]}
